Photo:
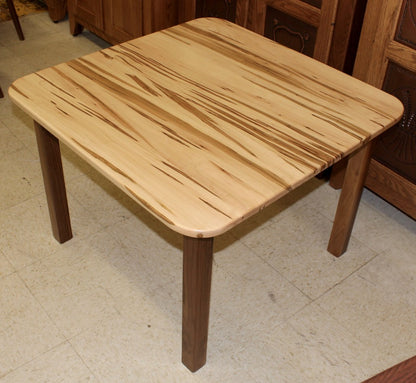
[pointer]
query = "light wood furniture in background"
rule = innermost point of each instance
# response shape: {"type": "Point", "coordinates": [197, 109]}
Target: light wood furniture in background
{"type": "Point", "coordinates": [204, 125]}
{"type": "Point", "coordinates": [387, 59]}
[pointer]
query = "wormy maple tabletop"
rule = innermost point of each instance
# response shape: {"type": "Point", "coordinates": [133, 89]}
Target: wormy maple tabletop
{"type": "Point", "coordinates": [205, 123]}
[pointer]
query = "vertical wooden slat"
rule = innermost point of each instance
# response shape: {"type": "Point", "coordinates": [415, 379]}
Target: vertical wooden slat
{"type": "Point", "coordinates": [186, 10]}
{"type": "Point", "coordinates": [377, 32]}
{"type": "Point", "coordinates": [241, 13]}
{"type": "Point", "coordinates": [325, 30]}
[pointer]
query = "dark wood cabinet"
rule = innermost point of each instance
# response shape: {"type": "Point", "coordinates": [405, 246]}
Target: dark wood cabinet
{"type": "Point", "coordinates": [390, 64]}
{"type": "Point", "coordinates": [290, 30]}
{"type": "Point", "coordinates": [225, 9]}
{"type": "Point", "coordinates": [386, 58]}
{"type": "Point", "coordinates": [120, 20]}
{"type": "Point", "coordinates": [56, 9]}
{"type": "Point", "coordinates": [88, 14]}
{"type": "Point", "coordinates": [159, 14]}
{"type": "Point", "coordinates": [88, 11]}
{"type": "Point", "coordinates": [327, 30]}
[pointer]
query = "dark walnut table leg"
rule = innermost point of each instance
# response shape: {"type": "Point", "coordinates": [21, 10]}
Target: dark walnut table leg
{"type": "Point", "coordinates": [53, 178]}
{"type": "Point", "coordinates": [349, 200]}
{"type": "Point", "coordinates": [197, 270]}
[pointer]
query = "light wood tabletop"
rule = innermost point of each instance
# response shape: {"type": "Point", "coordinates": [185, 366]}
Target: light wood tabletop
{"type": "Point", "coordinates": [204, 124]}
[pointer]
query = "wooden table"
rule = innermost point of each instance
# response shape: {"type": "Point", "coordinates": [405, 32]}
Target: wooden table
{"type": "Point", "coordinates": [204, 124]}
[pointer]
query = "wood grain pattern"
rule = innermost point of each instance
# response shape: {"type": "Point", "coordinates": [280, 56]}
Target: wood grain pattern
{"type": "Point", "coordinates": [205, 123]}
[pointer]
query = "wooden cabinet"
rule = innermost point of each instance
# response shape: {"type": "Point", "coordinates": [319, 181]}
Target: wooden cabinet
{"type": "Point", "coordinates": [231, 10]}
{"type": "Point", "coordinates": [386, 58]}
{"type": "Point", "coordinates": [123, 19]}
{"type": "Point", "coordinates": [327, 30]}
{"type": "Point", "coordinates": [225, 9]}
{"type": "Point", "coordinates": [159, 14]}
{"type": "Point", "coordinates": [56, 9]}
{"type": "Point", "coordinates": [87, 13]}
{"type": "Point", "coordinates": [306, 26]}
{"type": "Point", "coordinates": [120, 20]}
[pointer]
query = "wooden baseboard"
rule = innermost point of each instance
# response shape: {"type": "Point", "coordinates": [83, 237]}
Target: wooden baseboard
{"type": "Point", "coordinates": [404, 372]}
{"type": "Point", "coordinates": [383, 181]}
{"type": "Point", "coordinates": [394, 188]}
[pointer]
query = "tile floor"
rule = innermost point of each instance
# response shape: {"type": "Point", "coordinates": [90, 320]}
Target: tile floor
{"type": "Point", "coordinates": [106, 306]}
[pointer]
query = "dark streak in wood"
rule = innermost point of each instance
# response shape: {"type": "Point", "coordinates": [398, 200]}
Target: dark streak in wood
{"type": "Point", "coordinates": [149, 207]}
{"type": "Point", "coordinates": [213, 207]}
{"type": "Point", "coordinates": [105, 162]}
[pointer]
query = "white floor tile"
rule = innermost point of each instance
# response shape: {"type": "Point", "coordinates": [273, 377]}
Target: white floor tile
{"type": "Point", "coordinates": [61, 364]}
{"type": "Point", "coordinates": [26, 331]}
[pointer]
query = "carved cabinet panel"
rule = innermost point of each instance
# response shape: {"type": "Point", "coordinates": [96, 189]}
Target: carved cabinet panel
{"type": "Point", "coordinates": [406, 28]}
{"type": "Point", "coordinates": [386, 58]}
{"type": "Point", "coordinates": [290, 31]}
{"type": "Point", "coordinates": [323, 29]}
{"type": "Point", "coordinates": [397, 147]}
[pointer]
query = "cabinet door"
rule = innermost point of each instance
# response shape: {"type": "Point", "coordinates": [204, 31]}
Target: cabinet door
{"type": "Point", "coordinates": [232, 10]}
{"type": "Point", "coordinates": [88, 11]}
{"type": "Point", "coordinates": [304, 25]}
{"type": "Point", "coordinates": [225, 9]}
{"type": "Point", "coordinates": [161, 14]}
{"type": "Point", "coordinates": [123, 19]}
{"type": "Point", "coordinates": [386, 58]}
